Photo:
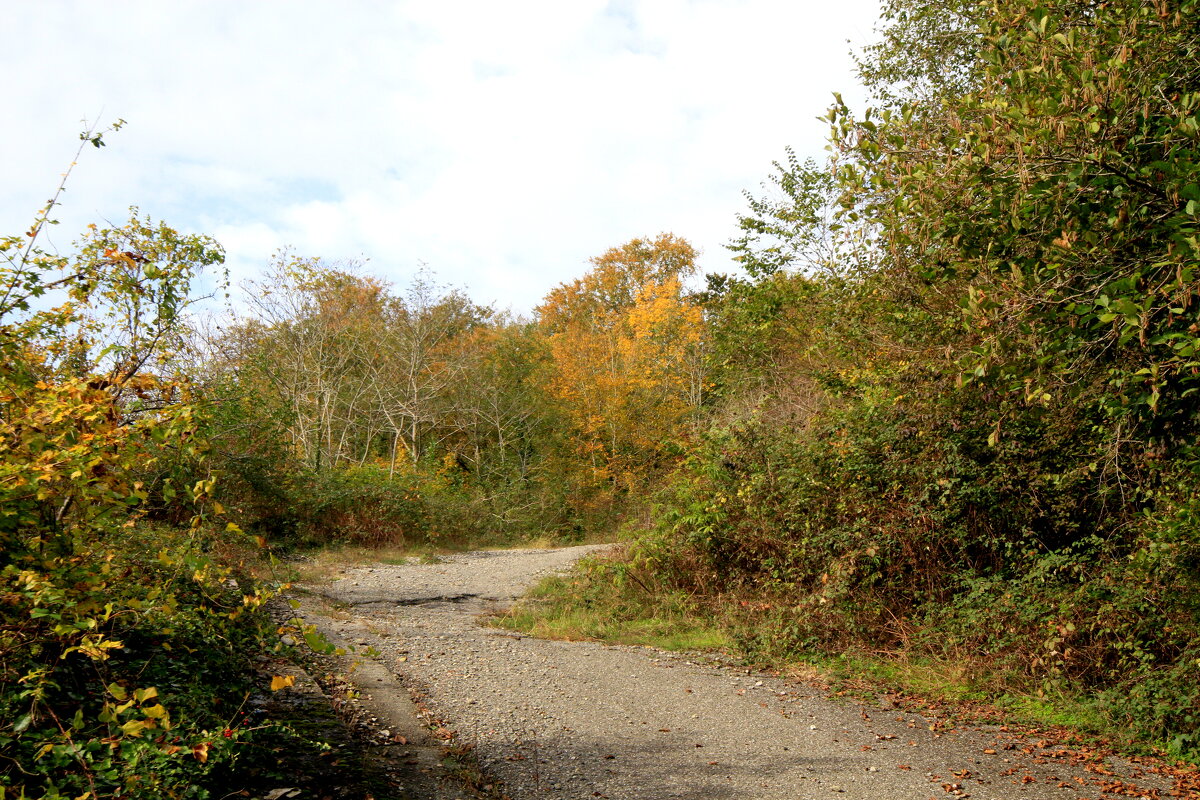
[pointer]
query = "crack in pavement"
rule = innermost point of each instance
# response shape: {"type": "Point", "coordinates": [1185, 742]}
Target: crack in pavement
{"type": "Point", "coordinates": [407, 601]}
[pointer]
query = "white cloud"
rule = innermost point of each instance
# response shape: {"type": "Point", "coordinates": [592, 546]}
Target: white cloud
{"type": "Point", "coordinates": [501, 143]}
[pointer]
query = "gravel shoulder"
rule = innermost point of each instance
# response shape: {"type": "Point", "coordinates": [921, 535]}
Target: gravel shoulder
{"type": "Point", "coordinates": [551, 719]}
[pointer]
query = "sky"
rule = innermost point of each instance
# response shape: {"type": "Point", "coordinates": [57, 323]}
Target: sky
{"type": "Point", "coordinates": [499, 145]}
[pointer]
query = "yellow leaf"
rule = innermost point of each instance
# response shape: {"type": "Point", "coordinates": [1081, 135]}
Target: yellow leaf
{"type": "Point", "coordinates": [282, 682]}
{"type": "Point", "coordinates": [133, 728]}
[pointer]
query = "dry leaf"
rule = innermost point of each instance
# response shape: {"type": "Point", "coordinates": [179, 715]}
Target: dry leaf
{"type": "Point", "coordinates": [282, 682]}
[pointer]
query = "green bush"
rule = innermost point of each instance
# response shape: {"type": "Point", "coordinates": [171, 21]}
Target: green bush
{"type": "Point", "coordinates": [123, 645]}
{"type": "Point", "coordinates": [362, 505]}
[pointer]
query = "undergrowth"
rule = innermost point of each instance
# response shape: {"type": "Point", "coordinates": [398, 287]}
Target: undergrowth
{"type": "Point", "coordinates": [596, 603]}
{"type": "Point", "coordinates": [616, 600]}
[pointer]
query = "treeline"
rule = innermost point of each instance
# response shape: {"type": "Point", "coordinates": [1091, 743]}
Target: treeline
{"type": "Point", "coordinates": [344, 409]}
{"type": "Point", "coordinates": [153, 458]}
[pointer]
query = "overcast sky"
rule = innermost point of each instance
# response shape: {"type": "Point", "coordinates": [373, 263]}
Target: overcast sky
{"type": "Point", "coordinates": [500, 143]}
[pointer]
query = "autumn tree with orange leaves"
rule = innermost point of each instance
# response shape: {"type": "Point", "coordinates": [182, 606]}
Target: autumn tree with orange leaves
{"type": "Point", "coordinates": [625, 345]}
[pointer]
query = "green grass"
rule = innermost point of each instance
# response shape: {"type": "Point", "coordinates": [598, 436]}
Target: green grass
{"type": "Point", "coordinates": [1081, 714]}
{"type": "Point", "coordinates": [970, 686]}
{"type": "Point", "coordinates": [938, 679]}
{"type": "Point", "coordinates": [975, 684]}
{"type": "Point", "coordinates": [581, 607]}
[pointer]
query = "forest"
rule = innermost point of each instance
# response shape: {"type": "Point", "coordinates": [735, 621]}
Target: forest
{"type": "Point", "coordinates": [947, 411]}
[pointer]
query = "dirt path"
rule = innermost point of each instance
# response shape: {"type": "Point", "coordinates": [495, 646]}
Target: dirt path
{"type": "Point", "coordinates": [584, 720]}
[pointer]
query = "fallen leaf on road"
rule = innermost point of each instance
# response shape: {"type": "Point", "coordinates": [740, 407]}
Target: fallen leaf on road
{"type": "Point", "coordinates": [282, 682]}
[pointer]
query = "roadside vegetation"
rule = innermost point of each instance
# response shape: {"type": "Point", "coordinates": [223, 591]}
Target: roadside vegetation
{"type": "Point", "coordinates": [942, 430]}
{"type": "Point", "coordinates": [595, 603]}
{"type": "Point", "coordinates": [127, 605]}
{"type": "Point", "coordinates": [952, 417]}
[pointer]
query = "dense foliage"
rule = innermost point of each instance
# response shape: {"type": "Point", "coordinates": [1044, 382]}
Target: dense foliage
{"type": "Point", "coordinates": [348, 411]}
{"type": "Point", "coordinates": [972, 432]}
{"type": "Point", "coordinates": [116, 623]}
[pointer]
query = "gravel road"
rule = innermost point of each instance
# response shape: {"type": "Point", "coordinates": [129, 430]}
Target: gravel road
{"type": "Point", "coordinates": [585, 720]}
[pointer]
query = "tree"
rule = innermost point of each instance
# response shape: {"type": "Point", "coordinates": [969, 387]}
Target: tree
{"type": "Point", "coordinates": [309, 353]}
{"type": "Point", "coordinates": [419, 364]}
{"type": "Point", "coordinates": [147, 290]}
{"type": "Point", "coordinates": [499, 401]}
{"type": "Point", "coordinates": [616, 279]}
{"type": "Point", "coordinates": [1006, 373]}
{"type": "Point", "coordinates": [1061, 196]}
{"type": "Point", "coordinates": [793, 227]}
{"type": "Point", "coordinates": [626, 348]}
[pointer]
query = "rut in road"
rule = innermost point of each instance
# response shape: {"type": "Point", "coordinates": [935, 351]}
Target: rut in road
{"type": "Point", "coordinates": [552, 719]}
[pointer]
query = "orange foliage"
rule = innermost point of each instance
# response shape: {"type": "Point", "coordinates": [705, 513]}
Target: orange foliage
{"type": "Point", "coordinates": [626, 350]}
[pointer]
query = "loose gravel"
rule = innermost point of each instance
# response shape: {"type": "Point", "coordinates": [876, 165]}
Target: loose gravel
{"type": "Point", "coordinates": [569, 720]}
